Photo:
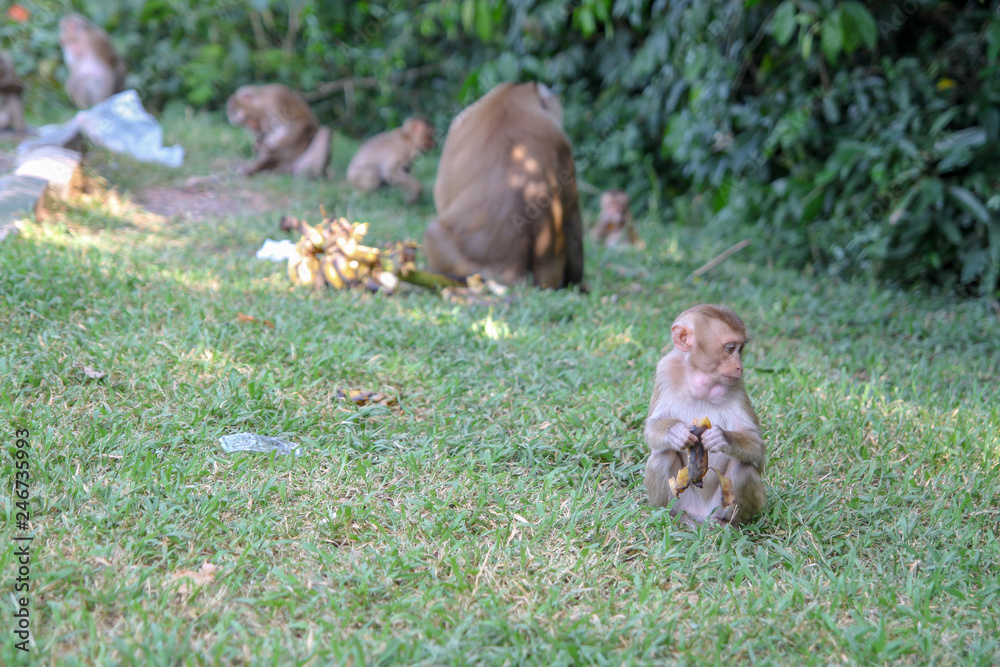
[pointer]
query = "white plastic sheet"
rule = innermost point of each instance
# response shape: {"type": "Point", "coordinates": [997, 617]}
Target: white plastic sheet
{"type": "Point", "coordinates": [120, 124]}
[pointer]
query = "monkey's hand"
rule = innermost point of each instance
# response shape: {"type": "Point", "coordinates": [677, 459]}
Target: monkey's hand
{"type": "Point", "coordinates": [714, 440]}
{"type": "Point", "coordinates": [680, 438]}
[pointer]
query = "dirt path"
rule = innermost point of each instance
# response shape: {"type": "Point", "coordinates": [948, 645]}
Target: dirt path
{"type": "Point", "coordinates": [202, 203]}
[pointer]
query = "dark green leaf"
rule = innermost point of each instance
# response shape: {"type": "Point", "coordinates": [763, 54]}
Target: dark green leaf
{"type": "Point", "coordinates": [586, 20]}
{"type": "Point", "coordinates": [993, 40]}
{"type": "Point", "coordinates": [970, 202]}
{"type": "Point", "coordinates": [832, 36]}
{"type": "Point", "coordinates": [861, 24]}
{"type": "Point", "coordinates": [968, 138]}
{"type": "Point", "coordinates": [950, 230]}
{"type": "Point", "coordinates": [783, 23]}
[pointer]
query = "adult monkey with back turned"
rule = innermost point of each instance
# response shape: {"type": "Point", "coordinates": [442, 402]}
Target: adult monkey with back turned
{"type": "Point", "coordinates": [506, 192]}
{"type": "Point", "coordinates": [703, 377]}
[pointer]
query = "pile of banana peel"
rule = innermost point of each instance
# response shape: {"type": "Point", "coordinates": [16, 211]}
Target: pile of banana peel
{"type": "Point", "coordinates": [698, 467]}
{"type": "Point", "coordinates": [331, 253]}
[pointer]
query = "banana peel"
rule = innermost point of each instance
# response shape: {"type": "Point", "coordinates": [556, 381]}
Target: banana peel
{"type": "Point", "coordinates": [303, 267]}
{"type": "Point", "coordinates": [363, 397]}
{"type": "Point", "coordinates": [697, 456]}
{"type": "Point", "coordinates": [727, 489]}
{"type": "Point", "coordinates": [679, 483]}
{"type": "Point", "coordinates": [698, 467]}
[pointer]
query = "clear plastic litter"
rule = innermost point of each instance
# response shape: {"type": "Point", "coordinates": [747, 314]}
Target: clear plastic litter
{"type": "Point", "coordinates": [51, 135]}
{"type": "Point", "coordinates": [120, 124]}
{"type": "Point", "coordinates": [264, 444]}
{"type": "Point", "coordinates": [277, 251]}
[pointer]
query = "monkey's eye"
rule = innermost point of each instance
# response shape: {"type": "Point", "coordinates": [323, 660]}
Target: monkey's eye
{"type": "Point", "coordinates": [730, 348]}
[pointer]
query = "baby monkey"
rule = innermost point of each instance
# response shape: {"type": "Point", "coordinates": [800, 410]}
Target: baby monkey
{"type": "Point", "coordinates": [388, 156]}
{"type": "Point", "coordinates": [702, 376]}
{"type": "Point", "coordinates": [614, 225]}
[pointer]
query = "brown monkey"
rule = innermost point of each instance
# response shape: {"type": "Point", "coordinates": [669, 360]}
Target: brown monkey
{"type": "Point", "coordinates": [95, 70]}
{"type": "Point", "coordinates": [287, 136]}
{"type": "Point", "coordinates": [615, 221]}
{"type": "Point", "coordinates": [314, 162]}
{"type": "Point", "coordinates": [506, 192]}
{"type": "Point", "coordinates": [11, 106]}
{"type": "Point", "coordinates": [703, 377]}
{"type": "Point", "coordinates": [387, 157]}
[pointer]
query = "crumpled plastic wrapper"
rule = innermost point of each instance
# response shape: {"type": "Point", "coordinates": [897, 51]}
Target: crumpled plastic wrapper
{"type": "Point", "coordinates": [121, 125]}
{"type": "Point", "coordinates": [264, 444]}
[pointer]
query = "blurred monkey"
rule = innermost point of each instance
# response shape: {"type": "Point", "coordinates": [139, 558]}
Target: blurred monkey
{"type": "Point", "coordinates": [11, 105]}
{"type": "Point", "coordinates": [287, 136]}
{"type": "Point", "coordinates": [506, 198]}
{"type": "Point", "coordinates": [615, 221]}
{"type": "Point", "coordinates": [388, 156]}
{"type": "Point", "coordinates": [95, 70]}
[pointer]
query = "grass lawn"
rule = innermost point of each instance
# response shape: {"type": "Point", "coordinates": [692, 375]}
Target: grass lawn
{"type": "Point", "coordinates": [498, 516]}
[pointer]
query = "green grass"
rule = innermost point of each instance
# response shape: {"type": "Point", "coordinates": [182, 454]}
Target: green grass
{"type": "Point", "coordinates": [500, 516]}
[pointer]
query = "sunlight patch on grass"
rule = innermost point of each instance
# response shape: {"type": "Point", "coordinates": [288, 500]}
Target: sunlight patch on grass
{"type": "Point", "coordinates": [491, 328]}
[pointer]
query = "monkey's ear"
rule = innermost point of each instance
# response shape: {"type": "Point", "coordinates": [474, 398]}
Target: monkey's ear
{"type": "Point", "coordinates": [682, 336]}
{"type": "Point", "coordinates": [549, 101]}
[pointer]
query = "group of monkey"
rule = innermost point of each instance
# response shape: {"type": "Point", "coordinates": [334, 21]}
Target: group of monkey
{"type": "Point", "coordinates": [505, 190]}
{"type": "Point", "coordinates": [507, 209]}
{"type": "Point", "coordinates": [506, 186]}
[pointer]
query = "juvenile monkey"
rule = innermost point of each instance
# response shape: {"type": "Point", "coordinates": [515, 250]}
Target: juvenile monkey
{"type": "Point", "coordinates": [703, 377]}
{"type": "Point", "coordinates": [11, 106]}
{"type": "Point", "coordinates": [287, 136]}
{"type": "Point", "coordinates": [95, 70]}
{"type": "Point", "coordinates": [615, 221]}
{"type": "Point", "coordinates": [388, 156]}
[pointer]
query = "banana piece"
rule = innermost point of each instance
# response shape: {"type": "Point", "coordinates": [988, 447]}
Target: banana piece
{"type": "Point", "coordinates": [303, 267]}
{"type": "Point", "coordinates": [338, 271]}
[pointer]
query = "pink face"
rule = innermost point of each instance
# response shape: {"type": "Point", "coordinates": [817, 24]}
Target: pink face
{"type": "Point", "coordinates": [613, 205]}
{"type": "Point", "coordinates": [428, 142]}
{"type": "Point", "coordinates": [71, 36]}
{"type": "Point", "coordinates": [421, 133]}
{"type": "Point", "coordinates": [238, 110]}
{"type": "Point", "coordinates": [726, 348]}
{"type": "Point", "coordinates": [714, 351]}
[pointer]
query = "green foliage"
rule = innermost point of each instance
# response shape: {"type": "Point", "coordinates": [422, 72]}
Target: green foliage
{"type": "Point", "coordinates": [844, 28]}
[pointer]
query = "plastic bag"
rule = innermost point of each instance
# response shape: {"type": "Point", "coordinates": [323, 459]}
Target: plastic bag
{"type": "Point", "coordinates": [120, 124]}
{"type": "Point", "coordinates": [251, 442]}
{"type": "Point", "coordinates": [277, 251]}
